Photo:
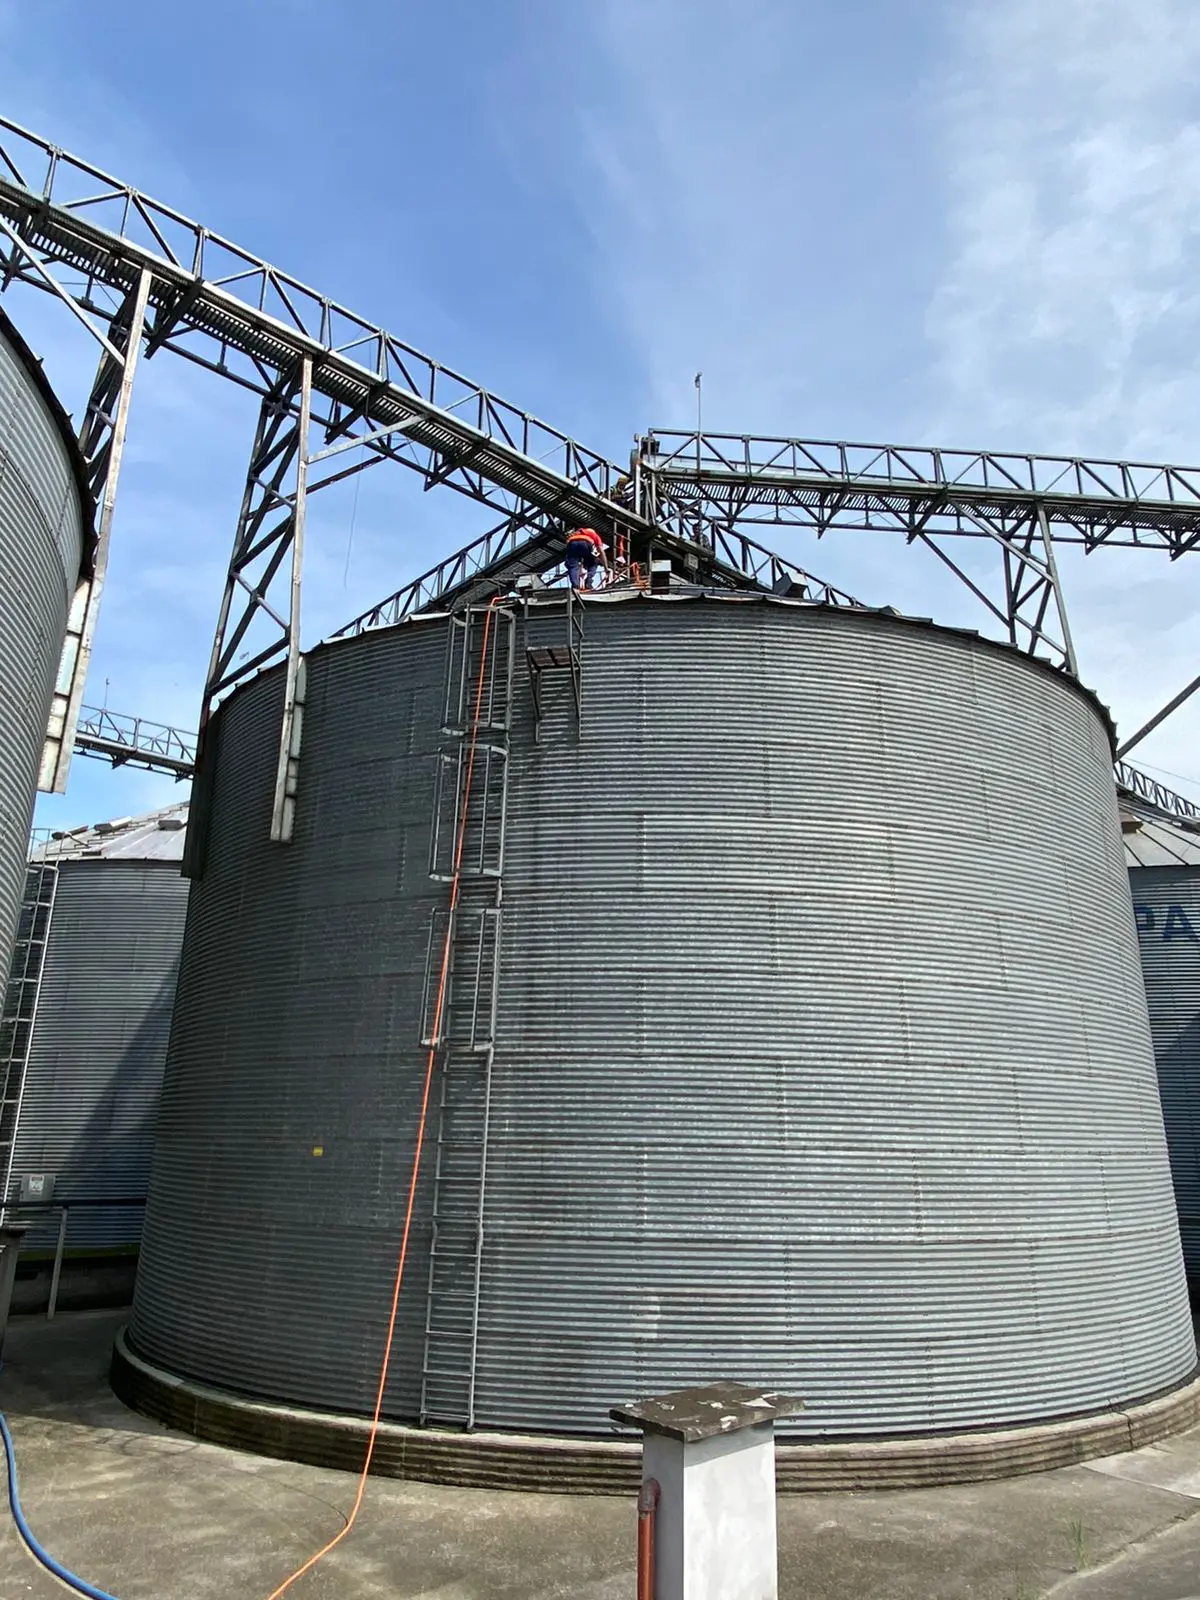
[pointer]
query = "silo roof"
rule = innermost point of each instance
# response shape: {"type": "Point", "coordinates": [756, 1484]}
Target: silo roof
{"type": "Point", "coordinates": [155, 836]}
{"type": "Point", "coordinates": [1154, 839]}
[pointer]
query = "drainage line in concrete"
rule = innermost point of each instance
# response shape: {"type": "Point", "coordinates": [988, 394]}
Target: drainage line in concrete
{"type": "Point", "coordinates": [55, 1568]}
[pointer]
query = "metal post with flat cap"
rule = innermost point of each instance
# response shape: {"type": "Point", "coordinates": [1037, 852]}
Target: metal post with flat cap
{"type": "Point", "coordinates": [711, 1454]}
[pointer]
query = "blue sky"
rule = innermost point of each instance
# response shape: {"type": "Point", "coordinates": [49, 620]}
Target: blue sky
{"type": "Point", "coordinates": [967, 224]}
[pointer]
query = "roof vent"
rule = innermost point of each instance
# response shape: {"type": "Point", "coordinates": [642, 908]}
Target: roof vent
{"type": "Point", "coordinates": [788, 587]}
{"type": "Point", "coordinates": [114, 826]}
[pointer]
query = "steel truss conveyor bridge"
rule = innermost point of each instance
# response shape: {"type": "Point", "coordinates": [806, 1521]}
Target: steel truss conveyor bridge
{"type": "Point", "coordinates": [134, 742]}
{"type": "Point", "coordinates": [339, 394]}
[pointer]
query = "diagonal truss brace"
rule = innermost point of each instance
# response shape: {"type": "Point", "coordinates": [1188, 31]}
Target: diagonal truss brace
{"type": "Point", "coordinates": [1020, 590]}
{"type": "Point", "coordinates": [270, 530]}
{"type": "Point", "coordinates": [1029, 603]}
{"type": "Point", "coordinates": [102, 443]}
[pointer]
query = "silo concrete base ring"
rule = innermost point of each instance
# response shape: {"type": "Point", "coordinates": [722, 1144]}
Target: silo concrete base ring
{"type": "Point", "coordinates": [531, 1462]}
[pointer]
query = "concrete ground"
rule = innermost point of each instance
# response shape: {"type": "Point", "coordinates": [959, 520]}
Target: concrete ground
{"type": "Point", "coordinates": [152, 1515]}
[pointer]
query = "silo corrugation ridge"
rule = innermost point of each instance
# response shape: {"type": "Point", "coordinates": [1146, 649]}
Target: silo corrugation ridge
{"type": "Point", "coordinates": [41, 544]}
{"type": "Point", "coordinates": [89, 1101]}
{"type": "Point", "coordinates": [1167, 906]}
{"type": "Point", "coordinates": [319, 974]}
{"type": "Point", "coordinates": [809, 1069]}
{"type": "Point", "coordinates": [853, 814]}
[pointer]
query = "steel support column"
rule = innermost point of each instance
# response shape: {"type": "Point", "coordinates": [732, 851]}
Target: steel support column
{"type": "Point", "coordinates": [1068, 644]}
{"type": "Point", "coordinates": [270, 528]}
{"type": "Point", "coordinates": [102, 441]}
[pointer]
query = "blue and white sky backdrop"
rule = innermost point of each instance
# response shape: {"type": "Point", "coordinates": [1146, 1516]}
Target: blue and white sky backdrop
{"type": "Point", "coordinates": [968, 223]}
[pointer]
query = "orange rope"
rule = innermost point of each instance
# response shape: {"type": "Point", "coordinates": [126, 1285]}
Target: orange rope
{"type": "Point", "coordinates": [443, 980]}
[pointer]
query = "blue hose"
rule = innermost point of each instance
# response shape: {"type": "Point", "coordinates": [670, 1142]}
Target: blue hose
{"type": "Point", "coordinates": [80, 1585]}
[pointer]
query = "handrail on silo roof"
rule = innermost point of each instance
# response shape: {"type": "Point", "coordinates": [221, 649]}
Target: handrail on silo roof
{"type": "Point", "coordinates": [1155, 793]}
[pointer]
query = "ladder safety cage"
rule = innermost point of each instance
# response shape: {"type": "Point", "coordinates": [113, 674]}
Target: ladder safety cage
{"type": "Point", "coordinates": [461, 993]}
{"type": "Point", "coordinates": [467, 836]}
{"type": "Point", "coordinates": [464, 642]}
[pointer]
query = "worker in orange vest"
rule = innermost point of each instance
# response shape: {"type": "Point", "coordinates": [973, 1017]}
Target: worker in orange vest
{"type": "Point", "coordinates": [585, 552]}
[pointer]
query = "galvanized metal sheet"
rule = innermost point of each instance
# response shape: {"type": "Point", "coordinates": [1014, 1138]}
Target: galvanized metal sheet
{"type": "Point", "coordinates": [1167, 907]}
{"type": "Point", "coordinates": [89, 1095]}
{"type": "Point", "coordinates": [40, 549]}
{"type": "Point", "coordinates": [155, 836]}
{"type": "Point", "coordinates": [810, 1070]}
{"type": "Point", "coordinates": [1158, 841]}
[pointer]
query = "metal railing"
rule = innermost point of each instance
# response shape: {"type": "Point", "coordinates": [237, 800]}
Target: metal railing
{"type": "Point", "coordinates": [15, 1212]}
{"type": "Point", "coordinates": [135, 742]}
{"type": "Point", "coordinates": [1155, 793]}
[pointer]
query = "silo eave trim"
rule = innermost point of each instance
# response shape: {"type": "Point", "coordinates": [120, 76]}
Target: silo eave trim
{"type": "Point", "coordinates": [883, 614]}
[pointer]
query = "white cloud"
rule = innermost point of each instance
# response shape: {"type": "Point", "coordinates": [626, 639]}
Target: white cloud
{"type": "Point", "coordinates": [1073, 156]}
{"type": "Point", "coordinates": [1068, 316]}
{"type": "Point", "coordinates": [975, 227]}
{"type": "Point", "coordinates": [758, 218]}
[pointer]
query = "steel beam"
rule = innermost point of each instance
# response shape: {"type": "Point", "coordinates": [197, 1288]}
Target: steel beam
{"type": "Point", "coordinates": [217, 304]}
{"type": "Point", "coordinates": [1020, 504]}
{"type": "Point", "coordinates": [270, 530]}
{"type": "Point", "coordinates": [102, 443]}
{"type": "Point", "coordinates": [493, 563]}
{"type": "Point", "coordinates": [70, 229]}
{"type": "Point", "coordinates": [262, 542]}
{"type": "Point", "coordinates": [132, 741]}
{"type": "Point", "coordinates": [824, 486]}
{"type": "Point", "coordinates": [283, 809]}
{"type": "Point", "coordinates": [1148, 728]}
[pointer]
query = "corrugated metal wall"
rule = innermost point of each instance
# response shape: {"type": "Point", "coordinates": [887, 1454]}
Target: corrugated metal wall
{"type": "Point", "coordinates": [1166, 902]}
{"type": "Point", "coordinates": [810, 1070]}
{"type": "Point", "coordinates": [295, 1031]}
{"type": "Point", "coordinates": [40, 549]}
{"type": "Point", "coordinates": [89, 1096]}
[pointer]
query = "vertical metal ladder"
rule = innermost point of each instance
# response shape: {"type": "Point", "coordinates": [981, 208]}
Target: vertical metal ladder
{"type": "Point", "coordinates": [544, 653]}
{"type": "Point", "coordinates": [467, 838]}
{"type": "Point", "coordinates": [20, 1005]}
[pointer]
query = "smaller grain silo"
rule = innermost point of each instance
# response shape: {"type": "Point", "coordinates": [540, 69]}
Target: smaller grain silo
{"type": "Point", "coordinates": [84, 1033]}
{"type": "Point", "coordinates": [1163, 856]}
{"type": "Point", "coordinates": [45, 546]}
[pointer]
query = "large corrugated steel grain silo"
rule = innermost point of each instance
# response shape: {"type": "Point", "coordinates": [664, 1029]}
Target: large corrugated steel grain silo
{"type": "Point", "coordinates": [1163, 854]}
{"type": "Point", "coordinates": [804, 1068]}
{"type": "Point", "coordinates": [44, 528]}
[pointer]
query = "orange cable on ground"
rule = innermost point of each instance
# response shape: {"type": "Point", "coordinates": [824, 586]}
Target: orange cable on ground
{"type": "Point", "coordinates": [443, 979]}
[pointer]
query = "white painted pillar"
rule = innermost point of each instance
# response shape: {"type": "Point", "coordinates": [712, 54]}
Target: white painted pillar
{"type": "Point", "coordinates": [712, 1453]}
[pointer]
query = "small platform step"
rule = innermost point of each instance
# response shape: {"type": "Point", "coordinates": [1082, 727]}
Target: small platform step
{"type": "Point", "coordinates": [552, 656]}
